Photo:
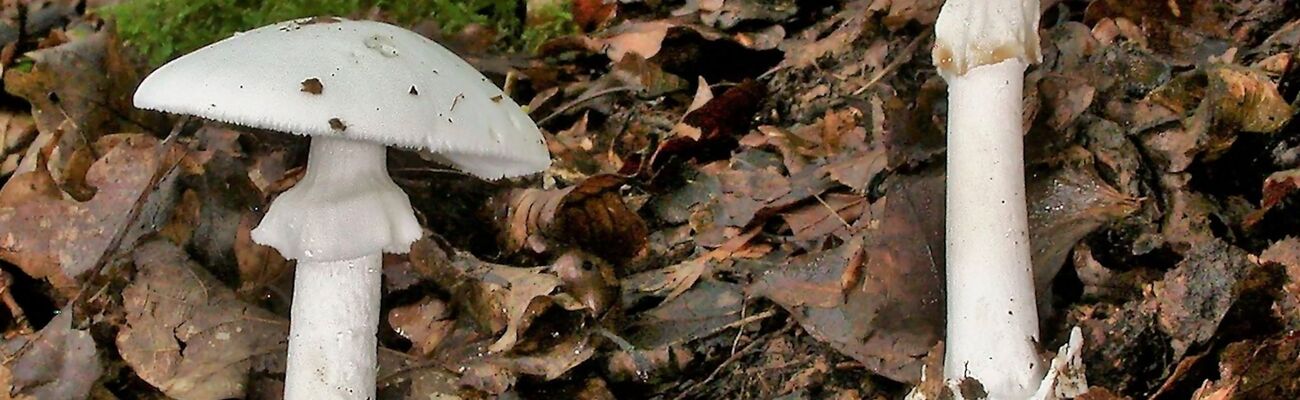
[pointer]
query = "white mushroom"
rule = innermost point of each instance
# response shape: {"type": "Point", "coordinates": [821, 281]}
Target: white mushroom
{"type": "Point", "coordinates": [354, 87]}
{"type": "Point", "coordinates": [982, 48]}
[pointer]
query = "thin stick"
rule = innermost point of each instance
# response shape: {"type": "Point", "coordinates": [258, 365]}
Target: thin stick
{"type": "Point", "coordinates": [894, 64]}
{"type": "Point", "coordinates": [726, 363]}
{"type": "Point", "coordinates": [581, 99]}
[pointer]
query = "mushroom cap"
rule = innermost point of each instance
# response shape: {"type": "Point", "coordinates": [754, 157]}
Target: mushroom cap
{"type": "Point", "coordinates": [971, 33]}
{"type": "Point", "coordinates": [361, 80]}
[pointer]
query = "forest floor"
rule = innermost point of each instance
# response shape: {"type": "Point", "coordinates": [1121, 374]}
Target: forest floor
{"type": "Point", "coordinates": [746, 201]}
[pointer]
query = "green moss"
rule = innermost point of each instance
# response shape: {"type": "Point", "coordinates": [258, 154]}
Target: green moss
{"type": "Point", "coordinates": [164, 29]}
{"type": "Point", "coordinates": [556, 20]}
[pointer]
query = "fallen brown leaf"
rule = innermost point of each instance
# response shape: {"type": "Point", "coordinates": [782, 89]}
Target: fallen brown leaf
{"type": "Point", "coordinates": [188, 335]}
{"type": "Point", "coordinates": [57, 362]}
{"type": "Point", "coordinates": [59, 240]}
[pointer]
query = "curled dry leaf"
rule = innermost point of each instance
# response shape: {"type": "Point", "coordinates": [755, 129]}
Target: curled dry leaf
{"type": "Point", "coordinates": [188, 335]}
{"type": "Point", "coordinates": [424, 323]}
{"type": "Point", "coordinates": [1222, 101]}
{"type": "Point", "coordinates": [58, 362]}
{"type": "Point", "coordinates": [640, 38]}
{"type": "Point", "coordinates": [590, 215]}
{"type": "Point", "coordinates": [499, 299]}
{"type": "Point", "coordinates": [590, 280]}
{"type": "Point", "coordinates": [57, 239]}
{"type": "Point", "coordinates": [525, 293]}
{"type": "Point", "coordinates": [1277, 187]}
{"type": "Point", "coordinates": [713, 130]}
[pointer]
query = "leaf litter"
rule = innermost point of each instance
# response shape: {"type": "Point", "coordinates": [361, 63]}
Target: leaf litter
{"type": "Point", "coordinates": [746, 201]}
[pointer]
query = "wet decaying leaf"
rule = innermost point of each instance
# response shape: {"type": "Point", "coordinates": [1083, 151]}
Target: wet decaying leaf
{"type": "Point", "coordinates": [188, 335]}
{"type": "Point", "coordinates": [58, 362]}
{"type": "Point", "coordinates": [590, 215]}
{"type": "Point", "coordinates": [52, 237]}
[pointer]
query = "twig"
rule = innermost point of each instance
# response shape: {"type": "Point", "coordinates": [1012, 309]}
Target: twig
{"type": "Point", "coordinates": [894, 64]}
{"type": "Point", "coordinates": [834, 212]}
{"type": "Point", "coordinates": [734, 357]}
{"type": "Point", "coordinates": [581, 99]}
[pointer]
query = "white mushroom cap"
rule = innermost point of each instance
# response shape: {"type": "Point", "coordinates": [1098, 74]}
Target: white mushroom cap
{"type": "Point", "coordinates": [376, 82]}
{"type": "Point", "coordinates": [971, 33]}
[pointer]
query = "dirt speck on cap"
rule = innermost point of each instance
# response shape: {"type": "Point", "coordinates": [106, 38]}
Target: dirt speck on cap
{"type": "Point", "coordinates": [313, 86]}
{"type": "Point", "coordinates": [497, 98]}
{"type": "Point", "coordinates": [414, 92]}
{"type": "Point", "coordinates": [338, 125]}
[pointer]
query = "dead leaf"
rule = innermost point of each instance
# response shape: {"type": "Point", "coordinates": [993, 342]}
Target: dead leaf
{"type": "Point", "coordinates": [1286, 255]}
{"type": "Point", "coordinates": [720, 122]}
{"type": "Point", "coordinates": [641, 38]}
{"type": "Point", "coordinates": [895, 316]}
{"type": "Point", "coordinates": [1196, 296]}
{"type": "Point", "coordinates": [58, 362]}
{"type": "Point", "coordinates": [708, 306]}
{"type": "Point", "coordinates": [1066, 205]}
{"type": "Point", "coordinates": [1278, 186]}
{"type": "Point", "coordinates": [591, 14]}
{"type": "Point", "coordinates": [637, 72]}
{"type": "Point", "coordinates": [590, 215]}
{"type": "Point", "coordinates": [526, 296]}
{"type": "Point", "coordinates": [1256, 370]}
{"type": "Point", "coordinates": [259, 265]}
{"type": "Point", "coordinates": [59, 240]}
{"type": "Point", "coordinates": [424, 323]}
{"type": "Point", "coordinates": [188, 335]}
{"type": "Point", "coordinates": [589, 279]}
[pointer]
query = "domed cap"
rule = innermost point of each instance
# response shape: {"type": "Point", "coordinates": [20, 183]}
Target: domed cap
{"type": "Point", "coordinates": [361, 80]}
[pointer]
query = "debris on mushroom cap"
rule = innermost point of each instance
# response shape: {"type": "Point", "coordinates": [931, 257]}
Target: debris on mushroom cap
{"type": "Point", "coordinates": [269, 78]}
{"type": "Point", "coordinates": [971, 33]}
{"type": "Point", "coordinates": [313, 86]}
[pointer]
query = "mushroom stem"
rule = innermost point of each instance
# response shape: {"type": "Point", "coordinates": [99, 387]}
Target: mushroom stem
{"type": "Point", "coordinates": [992, 318]}
{"type": "Point", "coordinates": [335, 317]}
{"type": "Point", "coordinates": [336, 221]}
